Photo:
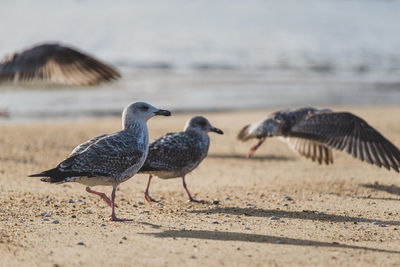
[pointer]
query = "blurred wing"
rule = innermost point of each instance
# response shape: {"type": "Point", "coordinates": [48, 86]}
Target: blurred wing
{"type": "Point", "coordinates": [56, 64]}
{"type": "Point", "coordinates": [311, 150]}
{"type": "Point", "coordinates": [345, 131]}
{"type": "Point", "coordinates": [173, 151]}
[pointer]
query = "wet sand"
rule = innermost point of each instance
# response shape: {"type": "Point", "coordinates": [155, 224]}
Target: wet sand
{"type": "Point", "coordinates": [330, 219]}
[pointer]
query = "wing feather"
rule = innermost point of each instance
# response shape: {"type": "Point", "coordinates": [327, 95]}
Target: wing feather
{"type": "Point", "coordinates": [310, 150]}
{"type": "Point", "coordinates": [345, 131]}
{"type": "Point", "coordinates": [108, 156]}
{"type": "Point", "coordinates": [80, 148]}
{"type": "Point", "coordinates": [58, 64]}
{"type": "Point", "coordinates": [175, 151]}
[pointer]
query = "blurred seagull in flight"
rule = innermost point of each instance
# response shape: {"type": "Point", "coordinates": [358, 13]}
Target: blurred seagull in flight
{"type": "Point", "coordinates": [313, 133]}
{"type": "Point", "coordinates": [55, 64]}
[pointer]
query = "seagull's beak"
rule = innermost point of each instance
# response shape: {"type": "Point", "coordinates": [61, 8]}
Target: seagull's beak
{"type": "Point", "coordinates": [216, 130]}
{"type": "Point", "coordinates": [163, 112]}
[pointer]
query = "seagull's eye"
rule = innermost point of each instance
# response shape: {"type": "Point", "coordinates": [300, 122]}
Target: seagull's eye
{"type": "Point", "coordinates": [202, 124]}
{"type": "Point", "coordinates": [144, 108]}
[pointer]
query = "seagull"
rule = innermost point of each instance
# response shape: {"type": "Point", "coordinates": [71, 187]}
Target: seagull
{"type": "Point", "coordinates": [109, 159]}
{"type": "Point", "coordinates": [313, 133]}
{"type": "Point", "coordinates": [174, 155]}
{"type": "Point", "coordinates": [54, 63]}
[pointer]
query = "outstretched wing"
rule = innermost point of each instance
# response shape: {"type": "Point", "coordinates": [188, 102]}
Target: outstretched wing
{"type": "Point", "coordinates": [345, 131]}
{"type": "Point", "coordinates": [309, 149]}
{"type": "Point", "coordinates": [57, 64]}
{"type": "Point", "coordinates": [174, 151]}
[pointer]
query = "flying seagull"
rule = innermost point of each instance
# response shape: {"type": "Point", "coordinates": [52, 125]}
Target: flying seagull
{"type": "Point", "coordinates": [109, 159]}
{"type": "Point", "coordinates": [314, 133]}
{"type": "Point", "coordinates": [54, 63]}
{"type": "Point", "coordinates": [176, 154]}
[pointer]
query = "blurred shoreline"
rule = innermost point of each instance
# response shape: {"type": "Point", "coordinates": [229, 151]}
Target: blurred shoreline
{"type": "Point", "coordinates": [194, 92]}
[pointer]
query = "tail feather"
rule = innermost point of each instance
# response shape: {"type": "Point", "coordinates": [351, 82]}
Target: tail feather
{"type": "Point", "coordinates": [45, 173]}
{"type": "Point", "coordinates": [245, 133]}
{"type": "Point", "coordinates": [57, 175]}
{"type": "Point", "coordinates": [51, 176]}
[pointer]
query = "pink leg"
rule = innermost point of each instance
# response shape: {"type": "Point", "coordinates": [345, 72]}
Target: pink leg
{"type": "Point", "coordinates": [112, 216]}
{"type": "Point", "coordinates": [146, 193]}
{"type": "Point", "coordinates": [191, 199]}
{"type": "Point", "coordinates": [102, 195]}
{"type": "Point", "coordinates": [255, 147]}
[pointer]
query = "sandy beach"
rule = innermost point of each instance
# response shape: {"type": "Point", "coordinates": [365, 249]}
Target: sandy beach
{"type": "Point", "coordinates": [275, 209]}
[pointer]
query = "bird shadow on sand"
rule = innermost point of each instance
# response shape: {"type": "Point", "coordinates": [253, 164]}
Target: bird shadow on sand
{"type": "Point", "coordinates": [244, 157]}
{"type": "Point", "coordinates": [303, 215]}
{"type": "Point", "coordinates": [256, 238]}
{"type": "Point", "coordinates": [392, 189]}
{"type": "Point", "coordinates": [152, 225]}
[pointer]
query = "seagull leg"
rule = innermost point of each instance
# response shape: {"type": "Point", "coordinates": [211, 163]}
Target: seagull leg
{"type": "Point", "coordinates": [112, 216]}
{"type": "Point", "coordinates": [191, 199]}
{"type": "Point", "coordinates": [102, 195]}
{"type": "Point", "coordinates": [146, 193]}
{"type": "Point", "coordinates": [255, 147]}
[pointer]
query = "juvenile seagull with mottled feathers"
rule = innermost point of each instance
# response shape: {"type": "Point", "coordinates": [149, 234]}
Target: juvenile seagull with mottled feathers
{"type": "Point", "coordinates": [109, 159]}
{"type": "Point", "coordinates": [55, 64]}
{"type": "Point", "coordinates": [176, 154]}
{"type": "Point", "coordinates": [314, 133]}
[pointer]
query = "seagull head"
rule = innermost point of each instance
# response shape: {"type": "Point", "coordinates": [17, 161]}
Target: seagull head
{"type": "Point", "coordinates": [141, 111]}
{"type": "Point", "coordinates": [200, 123]}
{"type": "Point", "coordinates": [271, 126]}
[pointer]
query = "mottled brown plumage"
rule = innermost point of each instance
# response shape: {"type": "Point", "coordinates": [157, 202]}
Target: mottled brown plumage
{"type": "Point", "coordinates": [176, 154]}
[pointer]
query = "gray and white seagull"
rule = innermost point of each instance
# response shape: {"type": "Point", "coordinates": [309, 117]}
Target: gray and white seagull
{"type": "Point", "coordinates": [174, 155]}
{"type": "Point", "coordinates": [109, 159]}
{"type": "Point", "coordinates": [314, 133]}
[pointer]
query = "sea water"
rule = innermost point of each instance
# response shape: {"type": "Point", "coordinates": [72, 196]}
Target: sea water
{"type": "Point", "coordinates": [211, 54]}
